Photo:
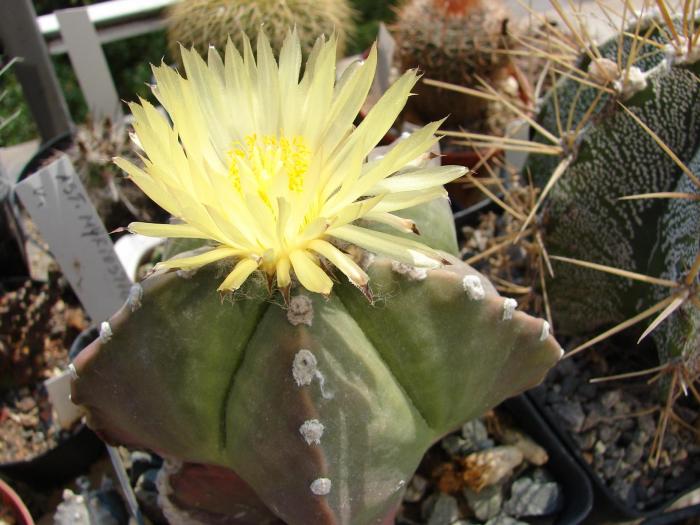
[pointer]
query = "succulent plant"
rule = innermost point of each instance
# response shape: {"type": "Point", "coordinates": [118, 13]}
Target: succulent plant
{"type": "Point", "coordinates": [204, 23]}
{"type": "Point", "coordinates": [323, 408]}
{"type": "Point", "coordinates": [455, 41]}
{"type": "Point", "coordinates": [621, 184]}
{"type": "Point", "coordinates": [315, 404]}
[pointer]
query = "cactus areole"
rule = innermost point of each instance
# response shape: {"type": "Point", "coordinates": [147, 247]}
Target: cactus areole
{"type": "Point", "coordinates": [314, 405]}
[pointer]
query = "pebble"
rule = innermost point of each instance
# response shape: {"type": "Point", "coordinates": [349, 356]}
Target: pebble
{"type": "Point", "coordinates": [416, 489]}
{"type": "Point", "coordinates": [611, 399]}
{"type": "Point", "coordinates": [504, 520]}
{"type": "Point", "coordinates": [475, 436]}
{"type": "Point", "coordinates": [608, 434]}
{"type": "Point", "coordinates": [530, 498]}
{"type": "Point", "coordinates": [634, 453]}
{"type": "Point", "coordinates": [26, 404]}
{"type": "Point", "coordinates": [487, 503]}
{"type": "Point", "coordinates": [571, 414]}
{"type": "Point", "coordinates": [445, 511]}
{"type": "Point", "coordinates": [453, 445]}
{"type": "Point", "coordinates": [489, 467]}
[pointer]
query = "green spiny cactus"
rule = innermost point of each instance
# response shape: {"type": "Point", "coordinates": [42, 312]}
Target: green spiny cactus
{"type": "Point", "coordinates": [454, 41]}
{"type": "Point", "coordinates": [324, 408]}
{"type": "Point", "coordinates": [611, 155]}
{"type": "Point", "coordinates": [204, 23]}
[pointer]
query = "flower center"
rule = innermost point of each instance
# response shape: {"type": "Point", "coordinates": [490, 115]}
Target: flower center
{"type": "Point", "coordinates": [269, 160]}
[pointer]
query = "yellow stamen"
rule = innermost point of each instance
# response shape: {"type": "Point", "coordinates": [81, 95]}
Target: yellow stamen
{"type": "Point", "coordinates": [269, 157]}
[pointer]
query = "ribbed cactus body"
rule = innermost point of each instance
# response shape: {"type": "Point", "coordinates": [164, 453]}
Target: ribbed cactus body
{"type": "Point", "coordinates": [453, 41]}
{"type": "Point", "coordinates": [204, 23]}
{"type": "Point", "coordinates": [614, 157]}
{"type": "Point", "coordinates": [325, 407]}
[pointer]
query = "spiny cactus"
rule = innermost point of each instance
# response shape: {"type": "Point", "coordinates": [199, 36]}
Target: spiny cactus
{"type": "Point", "coordinates": [324, 408]}
{"type": "Point", "coordinates": [204, 23]}
{"type": "Point", "coordinates": [647, 86]}
{"type": "Point", "coordinates": [452, 41]}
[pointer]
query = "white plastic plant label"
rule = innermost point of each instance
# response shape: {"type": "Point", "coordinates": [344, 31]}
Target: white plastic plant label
{"type": "Point", "coordinates": [58, 389]}
{"type": "Point", "coordinates": [57, 202]}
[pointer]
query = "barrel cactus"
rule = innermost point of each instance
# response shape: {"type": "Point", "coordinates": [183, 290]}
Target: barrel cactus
{"type": "Point", "coordinates": [295, 395]}
{"type": "Point", "coordinates": [454, 41]}
{"type": "Point", "coordinates": [634, 131]}
{"type": "Point", "coordinates": [204, 23]}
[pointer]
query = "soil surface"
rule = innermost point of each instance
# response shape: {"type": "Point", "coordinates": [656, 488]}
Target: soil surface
{"type": "Point", "coordinates": [613, 424]}
{"type": "Point", "coordinates": [38, 322]}
{"type": "Point", "coordinates": [489, 472]}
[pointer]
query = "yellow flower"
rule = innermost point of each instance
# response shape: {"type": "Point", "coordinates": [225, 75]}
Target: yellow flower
{"type": "Point", "coordinates": [271, 168]}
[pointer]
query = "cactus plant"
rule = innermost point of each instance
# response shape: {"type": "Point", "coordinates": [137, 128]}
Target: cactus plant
{"type": "Point", "coordinates": [204, 23]}
{"type": "Point", "coordinates": [454, 41]}
{"type": "Point", "coordinates": [646, 100]}
{"type": "Point", "coordinates": [316, 408]}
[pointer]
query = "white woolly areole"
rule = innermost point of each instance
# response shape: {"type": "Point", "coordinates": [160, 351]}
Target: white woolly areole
{"type": "Point", "coordinates": [300, 310]}
{"type": "Point", "coordinates": [635, 82]}
{"type": "Point", "coordinates": [509, 306]}
{"type": "Point", "coordinates": [105, 332]}
{"type": "Point", "coordinates": [544, 334]}
{"type": "Point", "coordinates": [321, 486]}
{"type": "Point", "coordinates": [186, 274]}
{"type": "Point", "coordinates": [312, 430]}
{"type": "Point", "coordinates": [411, 272]}
{"type": "Point", "coordinates": [304, 367]}
{"type": "Point", "coordinates": [135, 296]}
{"type": "Point", "coordinates": [472, 285]}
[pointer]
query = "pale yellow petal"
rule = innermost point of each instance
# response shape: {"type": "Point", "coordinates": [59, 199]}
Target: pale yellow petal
{"type": "Point", "coordinates": [420, 179]}
{"type": "Point", "coordinates": [197, 261]}
{"type": "Point", "coordinates": [239, 274]}
{"type": "Point", "coordinates": [403, 250]}
{"type": "Point", "coordinates": [341, 261]}
{"type": "Point", "coordinates": [310, 275]}
{"type": "Point", "coordinates": [282, 272]}
{"type": "Point", "coordinates": [408, 199]}
{"type": "Point", "coordinates": [180, 231]}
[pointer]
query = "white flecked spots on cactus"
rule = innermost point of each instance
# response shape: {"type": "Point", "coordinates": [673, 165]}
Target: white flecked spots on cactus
{"type": "Point", "coordinates": [509, 306]}
{"type": "Point", "coordinates": [305, 370]}
{"type": "Point", "coordinates": [135, 297]}
{"type": "Point", "coordinates": [473, 286]}
{"type": "Point", "coordinates": [72, 371]}
{"type": "Point", "coordinates": [544, 334]}
{"type": "Point", "coordinates": [105, 332]}
{"type": "Point", "coordinates": [411, 272]}
{"type": "Point", "coordinates": [312, 431]}
{"type": "Point", "coordinates": [304, 367]}
{"type": "Point", "coordinates": [321, 486]}
{"type": "Point", "coordinates": [300, 310]}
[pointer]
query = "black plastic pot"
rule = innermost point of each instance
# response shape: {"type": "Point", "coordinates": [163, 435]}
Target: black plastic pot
{"type": "Point", "coordinates": [686, 516]}
{"type": "Point", "coordinates": [578, 493]}
{"type": "Point", "coordinates": [608, 505]}
{"type": "Point", "coordinates": [70, 458]}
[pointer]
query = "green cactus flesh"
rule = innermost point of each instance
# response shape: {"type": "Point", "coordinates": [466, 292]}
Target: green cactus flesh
{"type": "Point", "coordinates": [324, 408]}
{"type": "Point", "coordinates": [613, 157]}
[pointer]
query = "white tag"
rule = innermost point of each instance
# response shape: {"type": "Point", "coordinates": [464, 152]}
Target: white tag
{"type": "Point", "coordinates": [58, 389]}
{"type": "Point", "coordinates": [67, 220]}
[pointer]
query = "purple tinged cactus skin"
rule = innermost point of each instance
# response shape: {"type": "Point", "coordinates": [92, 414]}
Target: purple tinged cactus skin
{"type": "Point", "coordinates": [326, 421]}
